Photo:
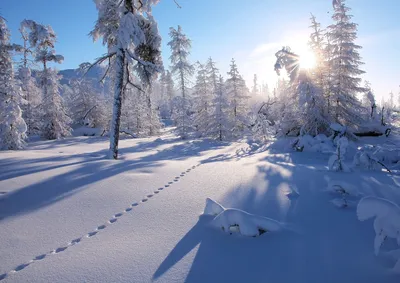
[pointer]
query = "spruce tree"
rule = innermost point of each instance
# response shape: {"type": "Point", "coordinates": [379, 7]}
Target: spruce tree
{"type": "Point", "coordinates": [237, 95]}
{"type": "Point", "coordinates": [344, 62]}
{"type": "Point", "coordinates": [180, 46]}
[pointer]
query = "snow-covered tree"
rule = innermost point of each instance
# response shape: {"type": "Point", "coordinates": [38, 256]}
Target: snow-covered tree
{"type": "Point", "coordinates": [180, 46]}
{"type": "Point", "coordinates": [131, 35]}
{"type": "Point", "coordinates": [220, 125]}
{"type": "Point", "coordinates": [288, 60]}
{"type": "Point", "coordinates": [202, 99]}
{"type": "Point", "coordinates": [87, 105]}
{"type": "Point", "coordinates": [344, 62]}
{"type": "Point", "coordinates": [369, 100]}
{"type": "Point", "coordinates": [12, 125]}
{"type": "Point", "coordinates": [317, 45]}
{"type": "Point", "coordinates": [255, 88]}
{"type": "Point", "coordinates": [237, 94]}
{"type": "Point", "coordinates": [30, 91]}
{"type": "Point", "coordinates": [168, 91]}
{"type": "Point", "coordinates": [311, 106]}
{"type": "Point", "coordinates": [336, 161]}
{"type": "Point", "coordinates": [55, 121]}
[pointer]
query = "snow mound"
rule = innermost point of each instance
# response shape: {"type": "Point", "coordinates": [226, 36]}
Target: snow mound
{"type": "Point", "coordinates": [232, 220]}
{"type": "Point", "coordinates": [213, 207]}
{"type": "Point", "coordinates": [386, 223]}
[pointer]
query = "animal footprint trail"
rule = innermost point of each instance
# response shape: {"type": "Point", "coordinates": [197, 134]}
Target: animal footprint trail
{"type": "Point", "coordinates": [113, 220]}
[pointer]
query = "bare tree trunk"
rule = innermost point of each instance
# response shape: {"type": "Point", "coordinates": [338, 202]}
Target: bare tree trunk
{"type": "Point", "coordinates": [118, 92]}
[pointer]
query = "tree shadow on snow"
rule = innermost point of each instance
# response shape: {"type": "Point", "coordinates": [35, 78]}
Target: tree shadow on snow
{"type": "Point", "coordinates": [324, 243]}
{"type": "Point", "coordinates": [82, 170]}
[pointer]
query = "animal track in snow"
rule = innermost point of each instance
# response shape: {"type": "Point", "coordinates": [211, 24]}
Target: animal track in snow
{"type": "Point", "coordinates": [40, 257]}
{"type": "Point", "coordinates": [90, 234]}
{"type": "Point", "coordinates": [76, 241]}
{"type": "Point", "coordinates": [21, 266]}
{"type": "Point", "coordinates": [60, 250]}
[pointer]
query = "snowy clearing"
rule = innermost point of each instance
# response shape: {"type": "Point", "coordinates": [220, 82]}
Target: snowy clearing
{"type": "Point", "coordinates": [70, 215]}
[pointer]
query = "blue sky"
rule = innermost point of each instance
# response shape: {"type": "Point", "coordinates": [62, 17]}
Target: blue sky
{"type": "Point", "coordinates": [250, 31]}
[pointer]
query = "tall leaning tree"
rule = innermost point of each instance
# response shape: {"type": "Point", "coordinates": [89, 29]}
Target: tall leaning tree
{"type": "Point", "coordinates": [12, 125]}
{"type": "Point", "coordinates": [182, 69]}
{"type": "Point", "coordinates": [131, 35]}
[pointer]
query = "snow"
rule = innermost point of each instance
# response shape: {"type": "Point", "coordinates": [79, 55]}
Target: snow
{"type": "Point", "coordinates": [247, 224]}
{"type": "Point", "coordinates": [68, 214]}
{"type": "Point", "coordinates": [213, 207]}
{"type": "Point", "coordinates": [386, 222]}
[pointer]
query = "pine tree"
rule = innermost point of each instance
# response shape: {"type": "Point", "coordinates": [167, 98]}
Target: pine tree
{"type": "Point", "coordinates": [30, 91]}
{"type": "Point", "coordinates": [344, 63]}
{"type": "Point", "coordinates": [237, 94]}
{"type": "Point", "coordinates": [131, 35]}
{"type": "Point", "coordinates": [12, 125]}
{"type": "Point", "coordinates": [180, 50]}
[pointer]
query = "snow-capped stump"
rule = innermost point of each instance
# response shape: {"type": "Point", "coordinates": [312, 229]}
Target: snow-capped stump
{"type": "Point", "coordinates": [234, 220]}
{"type": "Point", "coordinates": [386, 223]}
{"type": "Point", "coordinates": [213, 207]}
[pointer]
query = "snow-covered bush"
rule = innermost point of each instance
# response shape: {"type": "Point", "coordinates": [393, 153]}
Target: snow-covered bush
{"type": "Point", "coordinates": [232, 220]}
{"type": "Point", "coordinates": [319, 143]}
{"type": "Point", "coordinates": [386, 223]}
{"type": "Point", "coordinates": [365, 159]}
{"type": "Point", "coordinates": [336, 161]}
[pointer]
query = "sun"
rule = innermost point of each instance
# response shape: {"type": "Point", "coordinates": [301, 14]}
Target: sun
{"type": "Point", "coordinates": [307, 60]}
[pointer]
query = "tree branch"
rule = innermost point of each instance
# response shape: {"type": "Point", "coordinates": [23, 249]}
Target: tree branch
{"type": "Point", "coordinates": [99, 61]}
{"type": "Point", "coordinates": [177, 4]}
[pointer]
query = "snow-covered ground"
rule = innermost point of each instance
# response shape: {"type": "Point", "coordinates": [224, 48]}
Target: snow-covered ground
{"type": "Point", "coordinates": [68, 214]}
